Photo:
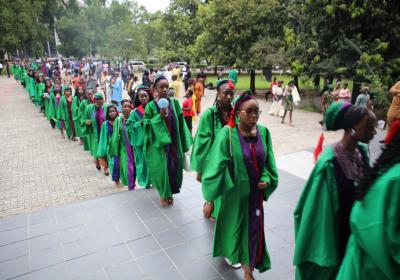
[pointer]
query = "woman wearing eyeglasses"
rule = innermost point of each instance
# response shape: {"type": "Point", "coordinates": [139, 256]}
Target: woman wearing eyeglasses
{"type": "Point", "coordinates": [240, 170]}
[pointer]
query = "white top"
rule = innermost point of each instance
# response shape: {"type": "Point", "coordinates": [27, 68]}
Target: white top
{"type": "Point", "coordinates": [277, 90]}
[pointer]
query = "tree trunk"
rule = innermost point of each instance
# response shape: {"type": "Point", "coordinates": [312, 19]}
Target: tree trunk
{"type": "Point", "coordinates": [253, 81]}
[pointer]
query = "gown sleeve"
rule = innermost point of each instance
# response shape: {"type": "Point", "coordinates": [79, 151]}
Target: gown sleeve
{"type": "Point", "coordinates": [393, 221]}
{"type": "Point", "coordinates": [315, 218]}
{"type": "Point", "coordinates": [114, 149]}
{"type": "Point", "coordinates": [135, 130]}
{"type": "Point", "coordinates": [216, 178]}
{"type": "Point", "coordinates": [269, 173]}
{"type": "Point", "coordinates": [202, 142]}
{"type": "Point", "coordinates": [102, 148]}
{"type": "Point", "coordinates": [155, 129]}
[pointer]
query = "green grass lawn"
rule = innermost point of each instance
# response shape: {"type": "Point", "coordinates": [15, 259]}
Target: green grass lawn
{"type": "Point", "coordinates": [262, 84]}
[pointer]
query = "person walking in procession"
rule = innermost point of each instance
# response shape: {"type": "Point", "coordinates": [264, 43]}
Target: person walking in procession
{"type": "Point", "coordinates": [166, 139]}
{"type": "Point", "coordinates": [321, 236]}
{"type": "Point", "coordinates": [240, 170]}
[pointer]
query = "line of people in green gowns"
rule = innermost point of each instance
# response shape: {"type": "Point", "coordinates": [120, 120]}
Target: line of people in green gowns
{"type": "Point", "coordinates": [346, 219]}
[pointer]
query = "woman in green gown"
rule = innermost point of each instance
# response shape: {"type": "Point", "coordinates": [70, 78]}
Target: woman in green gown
{"type": "Point", "coordinates": [48, 88]}
{"type": "Point", "coordinates": [81, 112]}
{"type": "Point", "coordinates": [121, 147]}
{"type": "Point", "coordinates": [240, 170]}
{"type": "Point", "coordinates": [54, 102]}
{"type": "Point", "coordinates": [166, 139]}
{"type": "Point", "coordinates": [64, 113]}
{"type": "Point", "coordinates": [39, 90]}
{"type": "Point", "coordinates": [76, 113]}
{"type": "Point", "coordinates": [211, 122]}
{"type": "Point", "coordinates": [323, 210]}
{"type": "Point", "coordinates": [373, 250]}
{"type": "Point", "coordinates": [110, 162]}
{"type": "Point", "coordinates": [135, 132]}
{"type": "Point", "coordinates": [94, 116]}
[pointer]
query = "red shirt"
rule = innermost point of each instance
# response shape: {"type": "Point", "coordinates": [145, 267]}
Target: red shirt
{"type": "Point", "coordinates": [188, 103]}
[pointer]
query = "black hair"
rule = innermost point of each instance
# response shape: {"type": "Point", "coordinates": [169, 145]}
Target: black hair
{"type": "Point", "coordinates": [389, 157]}
{"type": "Point", "coordinates": [124, 101]}
{"type": "Point", "coordinates": [108, 111]}
{"type": "Point", "coordinates": [77, 90]}
{"type": "Point", "coordinates": [351, 117]}
{"type": "Point", "coordinates": [190, 93]}
{"type": "Point", "coordinates": [136, 102]}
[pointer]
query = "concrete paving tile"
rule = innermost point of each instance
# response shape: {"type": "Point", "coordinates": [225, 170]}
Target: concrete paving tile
{"type": "Point", "coordinates": [115, 255]}
{"type": "Point", "coordinates": [159, 225]}
{"type": "Point", "coordinates": [58, 271]}
{"type": "Point", "coordinates": [170, 238]}
{"type": "Point", "coordinates": [199, 270]}
{"type": "Point", "coordinates": [125, 271]}
{"type": "Point", "coordinates": [143, 246]}
{"type": "Point", "coordinates": [14, 267]}
{"type": "Point", "coordinates": [158, 260]}
{"type": "Point", "coordinates": [183, 253]}
{"type": "Point", "coordinates": [13, 235]}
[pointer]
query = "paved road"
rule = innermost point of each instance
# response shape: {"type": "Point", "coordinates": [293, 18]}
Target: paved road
{"type": "Point", "coordinates": [37, 168]}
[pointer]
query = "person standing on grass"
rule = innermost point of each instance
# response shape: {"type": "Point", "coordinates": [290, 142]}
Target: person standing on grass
{"type": "Point", "coordinates": [240, 170]}
{"type": "Point", "coordinates": [322, 213]}
{"type": "Point", "coordinates": [166, 139]}
{"type": "Point", "coordinates": [109, 162]}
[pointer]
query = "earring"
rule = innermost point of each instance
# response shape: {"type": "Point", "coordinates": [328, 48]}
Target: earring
{"type": "Point", "coordinates": [353, 132]}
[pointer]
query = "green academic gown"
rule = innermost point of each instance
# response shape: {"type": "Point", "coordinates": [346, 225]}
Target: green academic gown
{"type": "Point", "coordinates": [316, 254]}
{"type": "Point", "coordinates": [373, 251]}
{"type": "Point", "coordinates": [53, 108]}
{"type": "Point", "coordinates": [39, 94]}
{"type": "Point", "coordinates": [232, 185]}
{"type": "Point", "coordinates": [136, 138]}
{"type": "Point", "coordinates": [118, 147]}
{"type": "Point", "coordinates": [76, 115]}
{"type": "Point", "coordinates": [82, 119]}
{"type": "Point", "coordinates": [90, 131]}
{"type": "Point", "coordinates": [31, 88]}
{"type": "Point", "coordinates": [46, 102]}
{"type": "Point", "coordinates": [157, 139]}
{"type": "Point", "coordinates": [233, 75]}
{"type": "Point", "coordinates": [103, 149]}
{"type": "Point", "coordinates": [63, 115]}
{"type": "Point", "coordinates": [207, 130]}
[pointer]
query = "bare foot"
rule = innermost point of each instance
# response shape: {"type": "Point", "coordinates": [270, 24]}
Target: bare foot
{"type": "Point", "coordinates": [118, 185]}
{"type": "Point", "coordinates": [163, 203]}
{"type": "Point", "coordinates": [170, 200]}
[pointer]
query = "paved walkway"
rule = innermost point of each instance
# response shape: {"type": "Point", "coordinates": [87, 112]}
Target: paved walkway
{"type": "Point", "coordinates": [38, 168]}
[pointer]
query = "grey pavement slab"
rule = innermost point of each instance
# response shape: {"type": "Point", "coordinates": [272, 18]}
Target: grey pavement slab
{"type": "Point", "coordinates": [127, 235]}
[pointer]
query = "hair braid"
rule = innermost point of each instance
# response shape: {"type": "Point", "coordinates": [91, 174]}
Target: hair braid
{"type": "Point", "coordinates": [389, 157]}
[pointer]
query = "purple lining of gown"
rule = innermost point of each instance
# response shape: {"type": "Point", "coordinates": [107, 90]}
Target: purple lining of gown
{"type": "Point", "coordinates": [171, 150]}
{"type": "Point", "coordinates": [115, 171]}
{"type": "Point", "coordinates": [131, 158]}
{"type": "Point", "coordinates": [100, 117]}
{"type": "Point", "coordinates": [256, 210]}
